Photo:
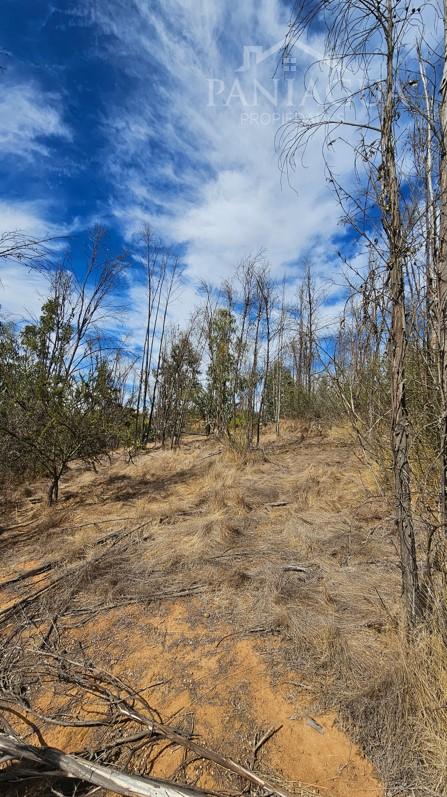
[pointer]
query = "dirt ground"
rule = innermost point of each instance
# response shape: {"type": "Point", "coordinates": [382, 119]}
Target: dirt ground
{"type": "Point", "coordinates": [240, 590]}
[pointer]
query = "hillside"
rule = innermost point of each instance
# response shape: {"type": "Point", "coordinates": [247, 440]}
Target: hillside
{"type": "Point", "coordinates": [248, 597]}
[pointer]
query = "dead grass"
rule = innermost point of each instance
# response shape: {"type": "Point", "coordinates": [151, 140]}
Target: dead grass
{"type": "Point", "coordinates": [224, 529]}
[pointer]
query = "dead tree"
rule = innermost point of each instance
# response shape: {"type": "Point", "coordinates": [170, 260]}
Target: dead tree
{"type": "Point", "coordinates": [431, 231]}
{"type": "Point", "coordinates": [442, 282]}
{"type": "Point", "coordinates": [364, 38]}
{"type": "Point", "coordinates": [279, 362]}
{"type": "Point", "coordinates": [154, 284]}
{"type": "Point", "coordinates": [310, 301]}
{"type": "Point", "coordinates": [393, 228]}
{"type": "Point", "coordinates": [162, 273]}
{"type": "Point", "coordinates": [265, 289]}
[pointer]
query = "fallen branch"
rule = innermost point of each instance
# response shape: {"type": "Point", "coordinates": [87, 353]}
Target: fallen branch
{"type": "Point", "coordinates": [203, 752]}
{"type": "Point", "coordinates": [304, 520]}
{"type": "Point", "coordinates": [260, 742]}
{"type": "Point", "coordinates": [23, 603]}
{"type": "Point", "coordinates": [295, 569]}
{"type": "Point", "coordinates": [115, 538]}
{"type": "Point", "coordinates": [70, 766]}
{"type": "Point", "coordinates": [268, 735]}
{"type": "Point", "coordinates": [315, 725]}
{"type": "Point", "coordinates": [98, 522]}
{"type": "Point", "coordinates": [17, 525]}
{"type": "Point", "coordinates": [260, 630]}
{"type": "Point", "coordinates": [108, 687]}
{"type": "Point", "coordinates": [208, 456]}
{"type": "Point", "coordinates": [36, 571]}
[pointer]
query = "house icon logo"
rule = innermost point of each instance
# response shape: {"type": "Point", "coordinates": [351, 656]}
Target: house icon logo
{"type": "Point", "coordinates": [264, 98]}
{"type": "Point", "coordinates": [256, 54]}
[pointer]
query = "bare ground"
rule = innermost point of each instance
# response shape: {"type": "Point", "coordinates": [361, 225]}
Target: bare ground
{"type": "Point", "coordinates": [250, 596]}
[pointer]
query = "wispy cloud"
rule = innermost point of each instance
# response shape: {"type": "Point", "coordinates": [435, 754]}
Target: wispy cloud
{"type": "Point", "coordinates": [32, 218]}
{"type": "Point", "coordinates": [174, 106]}
{"type": "Point", "coordinates": [193, 144]}
{"type": "Point", "coordinates": [29, 119]}
{"type": "Point", "coordinates": [23, 290]}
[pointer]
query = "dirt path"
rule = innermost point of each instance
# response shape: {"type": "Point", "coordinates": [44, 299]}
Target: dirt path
{"type": "Point", "coordinates": [236, 654]}
{"type": "Point", "coordinates": [233, 699]}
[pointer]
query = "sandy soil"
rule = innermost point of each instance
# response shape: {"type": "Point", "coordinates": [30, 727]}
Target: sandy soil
{"type": "Point", "coordinates": [230, 529]}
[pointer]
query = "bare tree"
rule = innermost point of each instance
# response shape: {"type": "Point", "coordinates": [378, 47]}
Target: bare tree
{"type": "Point", "coordinates": [366, 39]}
{"type": "Point", "coordinates": [162, 274]}
{"type": "Point", "coordinates": [265, 289]}
{"type": "Point", "coordinates": [18, 247]}
{"type": "Point", "coordinates": [281, 332]}
{"type": "Point", "coordinates": [442, 281]}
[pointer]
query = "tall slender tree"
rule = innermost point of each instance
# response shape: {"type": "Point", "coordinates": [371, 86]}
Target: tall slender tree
{"type": "Point", "coordinates": [366, 41]}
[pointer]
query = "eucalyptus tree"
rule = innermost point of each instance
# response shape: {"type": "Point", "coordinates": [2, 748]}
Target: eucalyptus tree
{"type": "Point", "coordinates": [367, 62]}
{"type": "Point", "coordinates": [178, 386]}
{"type": "Point", "coordinates": [163, 272]}
{"type": "Point", "coordinates": [57, 391]}
{"type": "Point", "coordinates": [221, 345]}
{"type": "Point", "coordinates": [441, 270]}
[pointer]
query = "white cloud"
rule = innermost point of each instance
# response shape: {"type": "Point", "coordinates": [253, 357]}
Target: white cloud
{"type": "Point", "coordinates": [22, 292]}
{"type": "Point", "coordinates": [225, 198]}
{"type": "Point", "coordinates": [29, 218]}
{"type": "Point", "coordinates": [28, 117]}
{"type": "Point", "coordinates": [200, 174]}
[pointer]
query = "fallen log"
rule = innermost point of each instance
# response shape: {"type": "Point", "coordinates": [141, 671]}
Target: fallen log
{"type": "Point", "coordinates": [110, 688]}
{"type": "Point", "coordinates": [70, 766]}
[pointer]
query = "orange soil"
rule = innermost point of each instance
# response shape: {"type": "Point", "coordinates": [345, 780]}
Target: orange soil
{"type": "Point", "coordinates": [221, 686]}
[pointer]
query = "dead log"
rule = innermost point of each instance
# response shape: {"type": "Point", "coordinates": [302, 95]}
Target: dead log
{"type": "Point", "coordinates": [70, 766]}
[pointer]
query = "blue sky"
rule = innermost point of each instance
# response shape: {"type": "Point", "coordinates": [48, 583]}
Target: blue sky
{"type": "Point", "coordinates": [132, 111]}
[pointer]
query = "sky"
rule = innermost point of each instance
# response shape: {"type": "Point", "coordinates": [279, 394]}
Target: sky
{"type": "Point", "coordinates": [126, 112]}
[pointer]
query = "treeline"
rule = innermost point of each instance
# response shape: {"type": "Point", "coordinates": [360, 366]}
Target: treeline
{"type": "Point", "coordinates": [246, 358]}
{"type": "Point", "coordinates": [69, 389]}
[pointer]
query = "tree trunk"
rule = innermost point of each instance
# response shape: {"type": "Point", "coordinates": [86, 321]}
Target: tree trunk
{"type": "Point", "coordinates": [430, 223]}
{"type": "Point", "coordinates": [392, 223]}
{"type": "Point", "coordinates": [253, 381]}
{"type": "Point", "coordinates": [442, 287]}
{"type": "Point", "coordinates": [310, 329]}
{"type": "Point", "coordinates": [266, 300]}
{"type": "Point", "coordinates": [53, 490]}
{"type": "Point", "coordinates": [147, 430]}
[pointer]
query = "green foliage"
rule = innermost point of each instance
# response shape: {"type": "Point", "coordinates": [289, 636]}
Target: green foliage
{"type": "Point", "coordinates": [220, 376]}
{"type": "Point", "coordinates": [48, 416]}
{"type": "Point", "coordinates": [293, 400]}
{"type": "Point", "coordinates": [178, 388]}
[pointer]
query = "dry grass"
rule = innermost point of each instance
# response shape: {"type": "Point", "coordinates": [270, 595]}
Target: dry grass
{"type": "Point", "coordinates": [224, 530]}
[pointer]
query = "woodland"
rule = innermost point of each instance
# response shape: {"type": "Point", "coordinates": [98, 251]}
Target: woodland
{"type": "Point", "coordinates": [261, 482]}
